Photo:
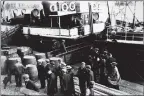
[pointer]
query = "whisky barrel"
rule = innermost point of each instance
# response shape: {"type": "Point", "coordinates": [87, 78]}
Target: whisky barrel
{"type": "Point", "coordinates": [40, 56]}
{"type": "Point", "coordinates": [32, 71]}
{"type": "Point", "coordinates": [3, 65]}
{"type": "Point", "coordinates": [29, 60]}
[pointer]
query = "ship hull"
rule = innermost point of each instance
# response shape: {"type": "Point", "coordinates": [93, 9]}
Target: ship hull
{"type": "Point", "coordinates": [130, 58]}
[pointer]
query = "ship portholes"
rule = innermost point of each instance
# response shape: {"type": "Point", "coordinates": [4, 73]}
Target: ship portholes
{"type": "Point", "coordinates": [95, 16]}
{"type": "Point", "coordinates": [35, 12]}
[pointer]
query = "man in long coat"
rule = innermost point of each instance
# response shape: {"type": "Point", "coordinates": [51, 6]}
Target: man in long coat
{"type": "Point", "coordinates": [82, 78]}
{"type": "Point", "coordinates": [51, 86]}
{"type": "Point", "coordinates": [42, 72]}
{"type": "Point", "coordinates": [90, 75]}
{"type": "Point", "coordinates": [67, 81]}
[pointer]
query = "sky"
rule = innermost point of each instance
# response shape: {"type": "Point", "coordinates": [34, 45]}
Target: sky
{"type": "Point", "coordinates": [103, 5]}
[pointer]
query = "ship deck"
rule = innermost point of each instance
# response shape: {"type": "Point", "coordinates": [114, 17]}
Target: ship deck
{"type": "Point", "coordinates": [128, 41]}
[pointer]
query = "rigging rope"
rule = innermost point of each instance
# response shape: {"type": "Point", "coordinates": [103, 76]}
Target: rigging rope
{"type": "Point", "coordinates": [121, 11]}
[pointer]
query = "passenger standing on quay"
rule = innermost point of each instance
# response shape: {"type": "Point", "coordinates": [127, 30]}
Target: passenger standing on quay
{"type": "Point", "coordinates": [41, 72]}
{"type": "Point", "coordinates": [82, 78]}
{"type": "Point", "coordinates": [67, 83]}
{"type": "Point", "coordinates": [48, 66]}
{"type": "Point", "coordinates": [51, 85]}
{"type": "Point", "coordinates": [95, 67]}
{"type": "Point", "coordinates": [90, 75]}
{"type": "Point", "coordinates": [113, 76]}
{"type": "Point", "coordinates": [103, 70]}
{"type": "Point", "coordinates": [70, 72]}
{"type": "Point", "coordinates": [58, 72]}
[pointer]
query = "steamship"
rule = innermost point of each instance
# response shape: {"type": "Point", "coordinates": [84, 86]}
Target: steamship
{"type": "Point", "coordinates": [51, 22]}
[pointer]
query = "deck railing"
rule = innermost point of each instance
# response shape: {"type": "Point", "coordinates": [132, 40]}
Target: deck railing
{"type": "Point", "coordinates": [126, 36]}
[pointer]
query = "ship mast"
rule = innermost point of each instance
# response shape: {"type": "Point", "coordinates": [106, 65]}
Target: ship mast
{"type": "Point", "coordinates": [2, 8]}
{"type": "Point", "coordinates": [134, 16]}
{"type": "Point", "coordinates": [125, 20]}
{"type": "Point", "coordinates": [109, 21]}
{"type": "Point", "coordinates": [90, 18]}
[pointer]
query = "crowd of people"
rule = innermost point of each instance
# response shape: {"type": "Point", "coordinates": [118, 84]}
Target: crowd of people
{"type": "Point", "coordinates": [99, 68]}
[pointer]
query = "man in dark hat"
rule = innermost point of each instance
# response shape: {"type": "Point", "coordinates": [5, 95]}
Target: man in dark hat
{"type": "Point", "coordinates": [42, 72]}
{"type": "Point", "coordinates": [82, 73]}
{"type": "Point", "coordinates": [95, 67]}
{"type": "Point", "coordinates": [103, 71]}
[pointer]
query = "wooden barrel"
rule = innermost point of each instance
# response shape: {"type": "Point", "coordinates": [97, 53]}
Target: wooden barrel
{"type": "Point", "coordinates": [29, 60]}
{"type": "Point", "coordinates": [3, 65]}
{"type": "Point", "coordinates": [32, 71]}
{"type": "Point", "coordinates": [40, 56]}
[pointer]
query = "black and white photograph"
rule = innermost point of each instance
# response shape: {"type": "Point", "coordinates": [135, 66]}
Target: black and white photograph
{"type": "Point", "coordinates": [72, 48]}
